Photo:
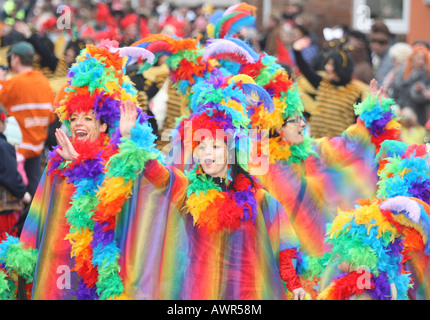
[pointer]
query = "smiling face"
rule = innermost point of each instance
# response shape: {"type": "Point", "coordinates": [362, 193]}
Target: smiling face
{"type": "Point", "coordinates": [292, 131]}
{"type": "Point", "coordinates": [212, 156]}
{"type": "Point", "coordinates": [86, 126]}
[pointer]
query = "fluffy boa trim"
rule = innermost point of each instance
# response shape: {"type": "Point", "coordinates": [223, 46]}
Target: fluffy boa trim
{"type": "Point", "coordinates": [15, 260]}
{"type": "Point", "coordinates": [216, 210]}
{"type": "Point", "coordinates": [287, 153]}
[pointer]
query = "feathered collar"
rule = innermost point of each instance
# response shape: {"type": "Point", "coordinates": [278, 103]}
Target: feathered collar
{"type": "Point", "coordinates": [216, 210]}
{"type": "Point", "coordinates": [87, 174]}
{"type": "Point", "coordinates": [282, 151]}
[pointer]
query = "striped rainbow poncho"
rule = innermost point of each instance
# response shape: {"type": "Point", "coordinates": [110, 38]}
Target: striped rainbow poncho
{"type": "Point", "coordinates": [147, 246]}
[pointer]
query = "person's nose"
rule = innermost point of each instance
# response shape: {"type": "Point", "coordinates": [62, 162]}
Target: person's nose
{"type": "Point", "coordinates": [302, 122]}
{"type": "Point", "coordinates": [80, 121]}
{"type": "Point", "coordinates": [209, 150]}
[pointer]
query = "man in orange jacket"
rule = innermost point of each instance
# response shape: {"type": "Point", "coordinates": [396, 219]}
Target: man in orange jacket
{"type": "Point", "coordinates": [28, 97]}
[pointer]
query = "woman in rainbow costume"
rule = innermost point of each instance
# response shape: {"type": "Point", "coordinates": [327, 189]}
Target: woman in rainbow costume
{"type": "Point", "coordinates": [311, 178]}
{"type": "Point", "coordinates": [94, 230]}
{"type": "Point", "coordinates": [317, 175]}
{"type": "Point", "coordinates": [381, 248]}
{"type": "Point", "coordinates": [241, 242]}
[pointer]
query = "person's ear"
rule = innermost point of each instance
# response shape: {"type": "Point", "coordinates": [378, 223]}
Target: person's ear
{"type": "Point", "coordinates": [103, 127]}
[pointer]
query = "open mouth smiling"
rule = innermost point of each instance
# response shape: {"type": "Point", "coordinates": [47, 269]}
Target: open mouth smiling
{"type": "Point", "coordinates": [81, 134]}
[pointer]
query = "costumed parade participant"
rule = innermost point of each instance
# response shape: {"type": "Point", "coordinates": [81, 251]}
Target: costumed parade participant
{"type": "Point", "coordinates": [238, 231]}
{"type": "Point", "coordinates": [89, 224]}
{"type": "Point", "coordinates": [380, 248]}
{"type": "Point", "coordinates": [310, 177]}
{"type": "Point", "coordinates": [240, 239]}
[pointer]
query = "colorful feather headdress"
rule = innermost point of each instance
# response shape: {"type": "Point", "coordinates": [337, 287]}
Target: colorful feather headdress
{"type": "Point", "coordinates": [219, 105]}
{"type": "Point", "coordinates": [230, 21]}
{"type": "Point", "coordinates": [380, 234]}
{"type": "Point", "coordinates": [377, 237]}
{"type": "Point", "coordinates": [239, 58]}
{"type": "Point", "coordinates": [185, 59]}
{"type": "Point", "coordinates": [97, 82]}
{"type": "Point", "coordinates": [267, 73]}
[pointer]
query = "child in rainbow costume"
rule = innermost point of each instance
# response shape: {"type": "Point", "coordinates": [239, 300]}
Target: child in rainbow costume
{"type": "Point", "coordinates": [380, 248]}
{"type": "Point", "coordinates": [240, 239]}
{"type": "Point", "coordinates": [92, 219]}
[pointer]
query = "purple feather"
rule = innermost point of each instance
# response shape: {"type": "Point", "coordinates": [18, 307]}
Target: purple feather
{"type": "Point", "coordinates": [84, 293]}
{"type": "Point", "coordinates": [90, 168]}
{"type": "Point", "coordinates": [107, 109]}
{"type": "Point", "coordinates": [420, 190]}
{"type": "Point", "coordinates": [243, 199]}
{"type": "Point", "coordinates": [382, 289]}
{"type": "Point", "coordinates": [377, 126]}
{"type": "Point", "coordinates": [101, 236]}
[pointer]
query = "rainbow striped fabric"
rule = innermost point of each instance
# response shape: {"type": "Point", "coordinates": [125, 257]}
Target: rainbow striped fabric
{"type": "Point", "coordinates": [312, 190]}
{"type": "Point", "coordinates": [149, 233]}
{"type": "Point", "coordinates": [242, 264]}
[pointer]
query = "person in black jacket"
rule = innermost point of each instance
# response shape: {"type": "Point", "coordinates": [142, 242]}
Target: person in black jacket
{"type": "Point", "coordinates": [13, 192]}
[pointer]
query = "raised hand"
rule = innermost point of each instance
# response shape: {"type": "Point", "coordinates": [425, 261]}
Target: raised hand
{"type": "Point", "coordinates": [302, 43]}
{"type": "Point", "coordinates": [128, 118]}
{"type": "Point", "coordinates": [374, 90]}
{"type": "Point", "coordinates": [373, 87]}
{"type": "Point", "coordinates": [67, 151]}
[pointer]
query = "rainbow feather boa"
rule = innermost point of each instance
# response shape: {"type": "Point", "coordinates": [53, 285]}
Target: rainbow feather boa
{"type": "Point", "coordinates": [123, 169]}
{"type": "Point", "coordinates": [87, 174]}
{"type": "Point", "coordinates": [216, 210]}
{"type": "Point", "coordinates": [378, 236]}
{"type": "Point", "coordinates": [103, 178]}
{"type": "Point", "coordinates": [14, 259]}
{"type": "Point", "coordinates": [287, 153]}
{"type": "Point", "coordinates": [379, 119]}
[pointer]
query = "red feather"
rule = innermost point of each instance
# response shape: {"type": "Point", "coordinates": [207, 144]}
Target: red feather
{"type": "Point", "coordinates": [228, 23]}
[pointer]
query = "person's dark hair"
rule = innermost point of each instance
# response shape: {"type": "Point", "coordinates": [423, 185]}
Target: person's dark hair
{"type": "Point", "coordinates": [362, 37]}
{"type": "Point", "coordinates": [423, 42]}
{"type": "Point", "coordinates": [45, 39]}
{"type": "Point", "coordinates": [8, 61]}
{"type": "Point", "coordinates": [343, 66]}
{"type": "Point", "coordinates": [3, 110]}
{"type": "Point", "coordinates": [76, 46]}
